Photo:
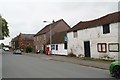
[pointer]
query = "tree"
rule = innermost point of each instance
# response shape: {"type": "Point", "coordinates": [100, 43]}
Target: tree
{"type": "Point", "coordinates": [2, 45]}
{"type": "Point", "coordinates": [4, 31]}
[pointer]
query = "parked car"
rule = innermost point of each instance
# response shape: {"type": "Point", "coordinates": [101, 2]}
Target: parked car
{"type": "Point", "coordinates": [6, 49]}
{"type": "Point", "coordinates": [38, 51]}
{"type": "Point", "coordinates": [115, 69]}
{"type": "Point", "coordinates": [17, 51]}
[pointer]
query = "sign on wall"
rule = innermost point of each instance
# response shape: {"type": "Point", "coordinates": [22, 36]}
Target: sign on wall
{"type": "Point", "coordinates": [113, 47]}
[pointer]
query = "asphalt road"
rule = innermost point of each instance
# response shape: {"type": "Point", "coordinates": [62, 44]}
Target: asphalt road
{"type": "Point", "coordinates": [21, 66]}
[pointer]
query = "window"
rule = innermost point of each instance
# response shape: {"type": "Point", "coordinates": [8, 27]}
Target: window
{"type": "Point", "coordinates": [36, 47]}
{"type": "Point", "coordinates": [37, 38]}
{"type": "Point", "coordinates": [65, 45]}
{"type": "Point", "coordinates": [44, 37]}
{"type": "Point", "coordinates": [75, 34]}
{"type": "Point", "coordinates": [27, 43]}
{"type": "Point", "coordinates": [102, 47]}
{"type": "Point", "coordinates": [56, 47]}
{"type": "Point", "coordinates": [113, 47]}
{"type": "Point", "coordinates": [52, 47]}
{"type": "Point", "coordinates": [106, 29]}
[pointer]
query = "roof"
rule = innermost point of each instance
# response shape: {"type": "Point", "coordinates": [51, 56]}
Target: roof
{"type": "Point", "coordinates": [14, 39]}
{"type": "Point", "coordinates": [28, 37]}
{"type": "Point", "coordinates": [110, 18]}
{"type": "Point", "coordinates": [58, 37]}
{"type": "Point", "coordinates": [47, 27]}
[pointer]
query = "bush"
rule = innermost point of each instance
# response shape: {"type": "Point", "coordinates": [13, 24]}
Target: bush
{"type": "Point", "coordinates": [29, 49]}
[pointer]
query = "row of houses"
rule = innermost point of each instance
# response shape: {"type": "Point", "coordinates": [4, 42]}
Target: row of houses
{"type": "Point", "coordinates": [98, 38]}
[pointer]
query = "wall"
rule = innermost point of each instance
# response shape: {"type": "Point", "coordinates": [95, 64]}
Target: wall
{"type": "Point", "coordinates": [39, 41]}
{"type": "Point", "coordinates": [94, 35]}
{"type": "Point", "coordinates": [60, 51]}
{"type": "Point", "coordinates": [61, 26]}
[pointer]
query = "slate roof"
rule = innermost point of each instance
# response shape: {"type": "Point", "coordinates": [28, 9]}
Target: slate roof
{"type": "Point", "coordinates": [110, 18]}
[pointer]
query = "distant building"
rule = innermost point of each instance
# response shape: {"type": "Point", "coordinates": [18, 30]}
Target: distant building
{"type": "Point", "coordinates": [42, 38]}
{"type": "Point", "coordinates": [22, 40]}
{"type": "Point", "coordinates": [97, 38]}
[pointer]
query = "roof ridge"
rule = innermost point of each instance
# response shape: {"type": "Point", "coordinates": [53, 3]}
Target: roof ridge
{"type": "Point", "coordinates": [97, 22]}
{"type": "Point", "coordinates": [51, 24]}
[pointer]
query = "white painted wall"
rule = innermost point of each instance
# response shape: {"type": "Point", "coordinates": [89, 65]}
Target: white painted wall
{"type": "Point", "coordinates": [94, 35]}
{"type": "Point", "coordinates": [60, 51]}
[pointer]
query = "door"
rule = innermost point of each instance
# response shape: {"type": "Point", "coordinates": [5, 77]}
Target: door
{"type": "Point", "coordinates": [87, 48]}
{"type": "Point", "coordinates": [44, 49]}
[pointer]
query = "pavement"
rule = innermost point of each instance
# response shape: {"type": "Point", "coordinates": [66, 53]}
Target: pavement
{"type": "Point", "coordinates": [74, 60]}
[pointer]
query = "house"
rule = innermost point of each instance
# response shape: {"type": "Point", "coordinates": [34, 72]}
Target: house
{"type": "Point", "coordinates": [22, 40]}
{"type": "Point", "coordinates": [42, 38]}
{"type": "Point", "coordinates": [97, 38]}
{"type": "Point", "coordinates": [59, 43]}
{"type": "Point", "coordinates": [25, 39]}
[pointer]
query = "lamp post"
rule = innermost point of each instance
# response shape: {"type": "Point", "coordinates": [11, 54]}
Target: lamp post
{"type": "Point", "coordinates": [50, 37]}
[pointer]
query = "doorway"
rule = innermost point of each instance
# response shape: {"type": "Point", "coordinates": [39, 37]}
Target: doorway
{"type": "Point", "coordinates": [87, 48]}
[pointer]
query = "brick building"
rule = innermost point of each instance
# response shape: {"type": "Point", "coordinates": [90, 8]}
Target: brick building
{"type": "Point", "coordinates": [42, 38]}
{"type": "Point", "coordinates": [22, 40]}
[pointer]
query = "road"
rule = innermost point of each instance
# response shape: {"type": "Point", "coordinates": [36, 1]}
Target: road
{"type": "Point", "coordinates": [21, 66]}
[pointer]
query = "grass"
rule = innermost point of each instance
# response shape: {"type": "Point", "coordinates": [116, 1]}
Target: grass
{"type": "Point", "coordinates": [93, 59]}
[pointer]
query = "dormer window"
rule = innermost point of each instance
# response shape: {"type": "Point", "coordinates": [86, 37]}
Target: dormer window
{"type": "Point", "coordinates": [106, 29]}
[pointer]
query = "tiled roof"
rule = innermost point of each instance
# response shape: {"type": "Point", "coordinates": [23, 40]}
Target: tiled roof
{"type": "Point", "coordinates": [14, 39]}
{"type": "Point", "coordinates": [47, 27]}
{"type": "Point", "coordinates": [110, 18]}
{"type": "Point", "coordinates": [58, 38]}
{"type": "Point", "coordinates": [28, 37]}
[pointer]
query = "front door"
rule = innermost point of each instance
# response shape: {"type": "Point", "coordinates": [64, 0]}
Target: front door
{"type": "Point", "coordinates": [44, 49]}
{"type": "Point", "coordinates": [87, 48]}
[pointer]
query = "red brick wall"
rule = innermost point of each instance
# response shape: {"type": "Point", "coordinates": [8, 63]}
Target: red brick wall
{"type": "Point", "coordinates": [23, 43]}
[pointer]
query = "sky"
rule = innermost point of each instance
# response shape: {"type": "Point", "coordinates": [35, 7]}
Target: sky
{"type": "Point", "coordinates": [27, 16]}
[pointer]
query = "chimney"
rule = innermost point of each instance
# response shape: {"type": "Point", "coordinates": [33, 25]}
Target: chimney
{"type": "Point", "coordinates": [53, 21]}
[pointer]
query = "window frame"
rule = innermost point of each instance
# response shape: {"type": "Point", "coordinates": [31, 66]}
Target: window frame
{"type": "Point", "coordinates": [100, 47]}
{"type": "Point", "coordinates": [56, 47]}
{"type": "Point", "coordinates": [106, 28]}
{"type": "Point", "coordinates": [113, 44]}
{"type": "Point", "coordinates": [52, 47]}
{"type": "Point", "coordinates": [75, 34]}
{"type": "Point", "coordinates": [65, 46]}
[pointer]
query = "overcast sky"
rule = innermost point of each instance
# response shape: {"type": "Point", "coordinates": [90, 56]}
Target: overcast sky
{"type": "Point", "coordinates": [27, 16]}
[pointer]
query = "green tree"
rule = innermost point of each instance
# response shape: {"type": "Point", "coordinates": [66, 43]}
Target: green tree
{"type": "Point", "coordinates": [4, 31]}
{"type": "Point", "coordinates": [2, 44]}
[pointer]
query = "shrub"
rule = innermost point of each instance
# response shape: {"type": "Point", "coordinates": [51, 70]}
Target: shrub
{"type": "Point", "coordinates": [29, 49]}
